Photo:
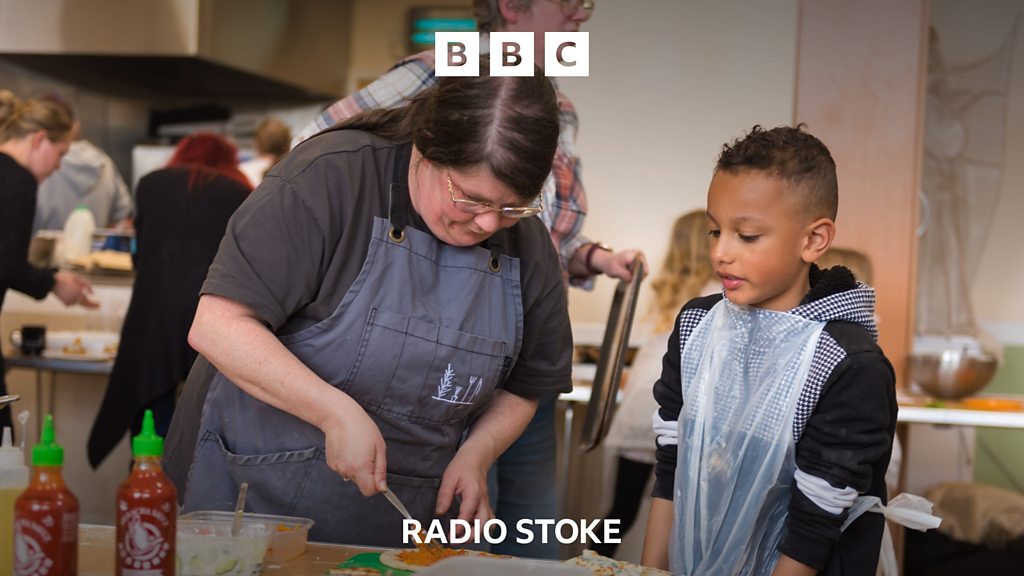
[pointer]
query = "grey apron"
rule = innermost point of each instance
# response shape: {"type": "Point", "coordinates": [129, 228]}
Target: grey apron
{"type": "Point", "coordinates": [421, 339]}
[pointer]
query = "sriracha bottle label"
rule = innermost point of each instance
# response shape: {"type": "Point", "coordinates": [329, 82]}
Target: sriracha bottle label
{"type": "Point", "coordinates": [35, 545]}
{"type": "Point", "coordinates": [144, 544]}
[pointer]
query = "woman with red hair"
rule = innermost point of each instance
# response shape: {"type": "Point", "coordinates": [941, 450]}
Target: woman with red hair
{"type": "Point", "coordinates": [181, 212]}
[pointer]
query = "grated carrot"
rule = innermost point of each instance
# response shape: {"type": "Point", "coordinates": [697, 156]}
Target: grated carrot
{"type": "Point", "coordinates": [423, 556]}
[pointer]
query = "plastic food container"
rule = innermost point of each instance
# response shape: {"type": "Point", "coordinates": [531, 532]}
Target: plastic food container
{"type": "Point", "coordinates": [206, 548]}
{"type": "Point", "coordinates": [288, 534]}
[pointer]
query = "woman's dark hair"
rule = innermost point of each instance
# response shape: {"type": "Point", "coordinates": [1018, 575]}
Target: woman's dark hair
{"type": "Point", "coordinates": [206, 155]}
{"type": "Point", "coordinates": [507, 123]}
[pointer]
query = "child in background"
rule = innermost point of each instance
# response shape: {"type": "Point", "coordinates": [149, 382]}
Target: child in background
{"type": "Point", "coordinates": [685, 274]}
{"type": "Point", "coordinates": [777, 407]}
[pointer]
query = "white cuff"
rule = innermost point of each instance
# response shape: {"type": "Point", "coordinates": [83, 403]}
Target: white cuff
{"type": "Point", "coordinates": [830, 499]}
{"type": "Point", "coordinates": [667, 432]}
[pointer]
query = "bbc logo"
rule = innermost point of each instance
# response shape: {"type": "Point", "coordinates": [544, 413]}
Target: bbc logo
{"type": "Point", "coordinates": [565, 53]}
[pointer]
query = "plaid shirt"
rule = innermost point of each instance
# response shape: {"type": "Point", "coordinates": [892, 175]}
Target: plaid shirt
{"type": "Point", "coordinates": [565, 202]}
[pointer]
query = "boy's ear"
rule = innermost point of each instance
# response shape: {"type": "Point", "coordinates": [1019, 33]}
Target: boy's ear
{"type": "Point", "coordinates": [820, 235]}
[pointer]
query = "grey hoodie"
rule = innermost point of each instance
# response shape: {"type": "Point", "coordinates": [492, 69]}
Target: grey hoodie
{"type": "Point", "coordinates": [86, 176]}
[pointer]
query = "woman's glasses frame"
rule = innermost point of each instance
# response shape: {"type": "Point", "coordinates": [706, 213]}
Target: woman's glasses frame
{"type": "Point", "coordinates": [569, 7]}
{"type": "Point", "coordinates": [475, 207]}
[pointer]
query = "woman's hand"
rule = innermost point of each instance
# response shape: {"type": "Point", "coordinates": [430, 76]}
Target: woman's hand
{"type": "Point", "coordinates": [616, 264]}
{"type": "Point", "coordinates": [593, 259]}
{"type": "Point", "coordinates": [239, 344]}
{"type": "Point", "coordinates": [73, 289]}
{"type": "Point", "coordinates": [466, 477]}
{"type": "Point", "coordinates": [504, 419]}
{"type": "Point", "coordinates": [355, 448]}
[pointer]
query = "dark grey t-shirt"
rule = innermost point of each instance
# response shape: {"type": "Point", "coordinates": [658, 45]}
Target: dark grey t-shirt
{"type": "Point", "coordinates": [293, 249]}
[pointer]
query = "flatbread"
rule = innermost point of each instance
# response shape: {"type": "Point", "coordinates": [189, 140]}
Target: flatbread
{"type": "Point", "coordinates": [605, 566]}
{"type": "Point", "coordinates": [390, 558]}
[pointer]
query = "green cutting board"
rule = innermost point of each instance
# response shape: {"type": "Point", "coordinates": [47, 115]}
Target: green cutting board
{"type": "Point", "coordinates": [371, 560]}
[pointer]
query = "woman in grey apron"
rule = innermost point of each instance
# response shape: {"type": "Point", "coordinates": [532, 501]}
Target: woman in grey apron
{"type": "Point", "coordinates": [415, 313]}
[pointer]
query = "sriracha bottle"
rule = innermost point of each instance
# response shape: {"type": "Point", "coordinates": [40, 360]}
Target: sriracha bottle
{"type": "Point", "coordinates": [46, 515]}
{"type": "Point", "coordinates": [147, 508]}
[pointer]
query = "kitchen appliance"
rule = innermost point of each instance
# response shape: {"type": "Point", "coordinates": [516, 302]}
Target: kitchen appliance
{"type": "Point", "coordinates": [286, 50]}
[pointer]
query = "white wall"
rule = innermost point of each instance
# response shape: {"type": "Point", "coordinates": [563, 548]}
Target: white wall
{"type": "Point", "coordinates": [670, 82]}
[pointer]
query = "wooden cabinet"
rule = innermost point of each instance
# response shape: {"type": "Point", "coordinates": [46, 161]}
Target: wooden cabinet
{"type": "Point", "coordinates": [860, 88]}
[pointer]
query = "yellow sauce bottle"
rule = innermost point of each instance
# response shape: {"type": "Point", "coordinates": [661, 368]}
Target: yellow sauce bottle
{"type": "Point", "coordinates": [13, 481]}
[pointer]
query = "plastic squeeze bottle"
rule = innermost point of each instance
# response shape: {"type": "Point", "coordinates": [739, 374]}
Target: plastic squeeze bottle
{"type": "Point", "coordinates": [13, 480]}
{"type": "Point", "coordinates": [78, 231]}
{"type": "Point", "coordinates": [46, 515]}
{"type": "Point", "coordinates": [147, 508]}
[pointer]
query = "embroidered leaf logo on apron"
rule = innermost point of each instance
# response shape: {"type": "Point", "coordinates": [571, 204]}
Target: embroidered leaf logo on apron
{"type": "Point", "coordinates": [448, 383]}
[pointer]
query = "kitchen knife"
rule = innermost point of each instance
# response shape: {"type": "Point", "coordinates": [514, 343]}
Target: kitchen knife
{"type": "Point", "coordinates": [397, 503]}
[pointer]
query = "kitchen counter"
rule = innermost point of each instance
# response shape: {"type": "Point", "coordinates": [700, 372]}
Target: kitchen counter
{"type": "Point", "coordinates": [101, 277]}
{"type": "Point", "coordinates": [96, 555]}
{"type": "Point", "coordinates": [916, 410]}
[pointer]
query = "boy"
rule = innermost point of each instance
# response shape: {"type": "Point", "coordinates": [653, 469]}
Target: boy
{"type": "Point", "coordinates": [777, 408]}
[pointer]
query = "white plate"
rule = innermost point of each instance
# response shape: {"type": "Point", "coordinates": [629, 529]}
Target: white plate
{"type": "Point", "coordinates": [96, 345]}
{"type": "Point", "coordinates": [55, 355]}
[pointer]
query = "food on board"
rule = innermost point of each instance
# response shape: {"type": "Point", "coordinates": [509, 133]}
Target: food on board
{"type": "Point", "coordinates": [603, 566]}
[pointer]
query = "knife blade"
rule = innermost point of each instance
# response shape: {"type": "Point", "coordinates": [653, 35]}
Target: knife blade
{"type": "Point", "coordinates": [397, 503]}
{"type": "Point", "coordinates": [433, 547]}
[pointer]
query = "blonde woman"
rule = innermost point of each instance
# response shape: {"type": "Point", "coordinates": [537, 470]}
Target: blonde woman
{"type": "Point", "coordinates": [685, 274]}
{"type": "Point", "coordinates": [34, 135]}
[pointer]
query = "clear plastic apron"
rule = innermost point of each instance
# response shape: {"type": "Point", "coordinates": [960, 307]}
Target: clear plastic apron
{"type": "Point", "coordinates": [742, 372]}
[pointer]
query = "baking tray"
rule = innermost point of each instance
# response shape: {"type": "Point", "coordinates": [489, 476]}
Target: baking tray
{"type": "Point", "coordinates": [608, 373]}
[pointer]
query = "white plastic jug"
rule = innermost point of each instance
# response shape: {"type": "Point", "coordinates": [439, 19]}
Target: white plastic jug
{"type": "Point", "coordinates": [13, 481]}
{"type": "Point", "coordinates": [78, 230]}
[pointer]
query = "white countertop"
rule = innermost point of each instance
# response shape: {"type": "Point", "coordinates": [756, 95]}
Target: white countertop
{"type": "Point", "coordinates": [583, 375]}
{"type": "Point", "coordinates": [960, 417]}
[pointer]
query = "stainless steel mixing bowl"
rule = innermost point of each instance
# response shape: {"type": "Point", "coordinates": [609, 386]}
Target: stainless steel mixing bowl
{"type": "Point", "coordinates": [952, 374]}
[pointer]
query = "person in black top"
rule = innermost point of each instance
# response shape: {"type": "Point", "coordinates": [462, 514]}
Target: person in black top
{"type": "Point", "coordinates": [34, 135]}
{"type": "Point", "coordinates": [180, 217]}
{"type": "Point", "coordinates": [777, 408]}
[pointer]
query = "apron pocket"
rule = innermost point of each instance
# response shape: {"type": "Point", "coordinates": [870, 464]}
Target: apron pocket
{"type": "Point", "coordinates": [423, 372]}
{"type": "Point", "coordinates": [276, 479]}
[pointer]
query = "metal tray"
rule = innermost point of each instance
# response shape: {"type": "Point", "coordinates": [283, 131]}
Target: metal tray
{"type": "Point", "coordinates": [609, 364]}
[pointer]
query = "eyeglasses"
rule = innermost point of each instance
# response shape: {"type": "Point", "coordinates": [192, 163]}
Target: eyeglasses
{"type": "Point", "coordinates": [569, 7]}
{"type": "Point", "coordinates": [474, 207]}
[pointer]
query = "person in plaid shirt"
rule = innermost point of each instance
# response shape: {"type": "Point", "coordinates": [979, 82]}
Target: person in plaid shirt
{"type": "Point", "coordinates": [525, 473]}
{"type": "Point", "coordinates": [565, 202]}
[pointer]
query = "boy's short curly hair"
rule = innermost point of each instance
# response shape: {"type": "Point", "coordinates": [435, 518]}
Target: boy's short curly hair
{"type": "Point", "coordinates": [790, 154]}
